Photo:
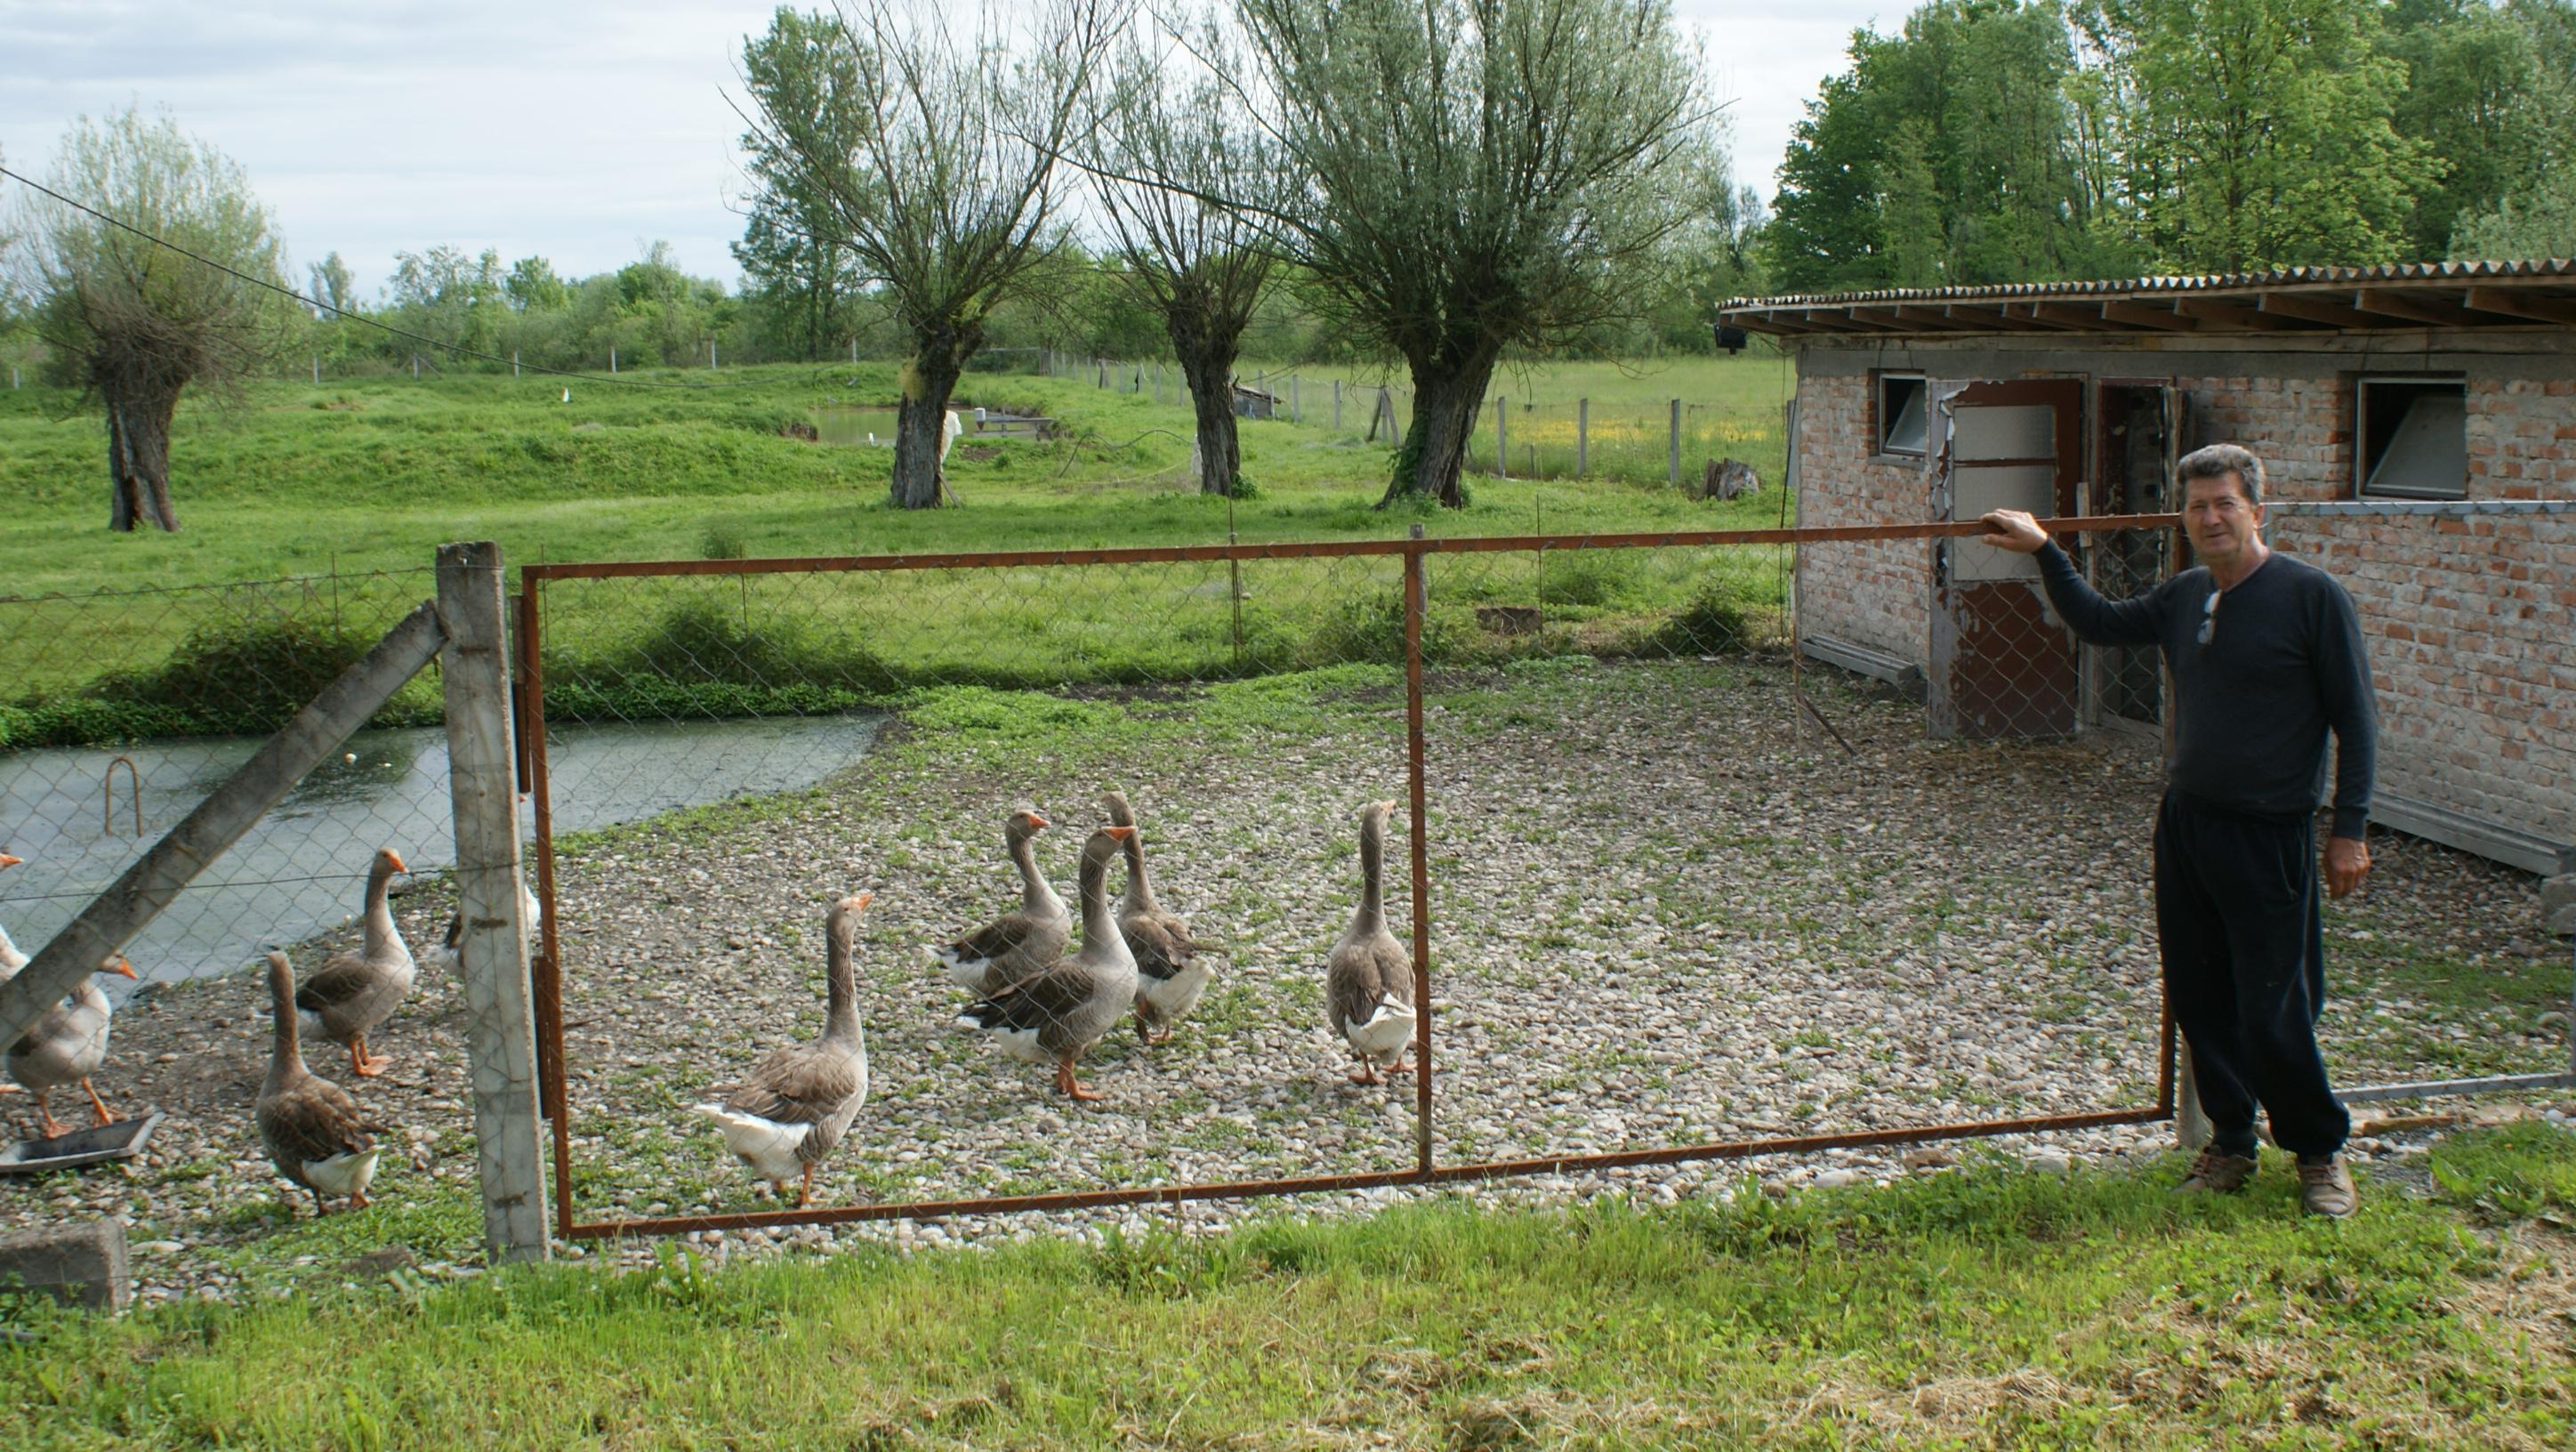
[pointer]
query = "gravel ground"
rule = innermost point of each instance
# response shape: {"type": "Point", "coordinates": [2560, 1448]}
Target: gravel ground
{"type": "Point", "coordinates": [1664, 913]}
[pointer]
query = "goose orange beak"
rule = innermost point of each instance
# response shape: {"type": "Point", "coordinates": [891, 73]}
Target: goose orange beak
{"type": "Point", "coordinates": [123, 967]}
{"type": "Point", "coordinates": [1121, 833]}
{"type": "Point", "coordinates": [396, 859]}
{"type": "Point", "coordinates": [1037, 821]}
{"type": "Point", "coordinates": [862, 900]}
{"type": "Point", "coordinates": [8, 861]}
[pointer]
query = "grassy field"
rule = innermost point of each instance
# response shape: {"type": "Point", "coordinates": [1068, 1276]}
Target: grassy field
{"type": "Point", "coordinates": [1988, 1307]}
{"type": "Point", "coordinates": [326, 489]}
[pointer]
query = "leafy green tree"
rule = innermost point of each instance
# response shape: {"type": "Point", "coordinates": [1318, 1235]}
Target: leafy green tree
{"type": "Point", "coordinates": [2535, 215]}
{"type": "Point", "coordinates": [2250, 134]}
{"type": "Point", "coordinates": [2470, 66]}
{"type": "Point", "coordinates": [1476, 176]}
{"type": "Point", "coordinates": [445, 294]}
{"type": "Point", "coordinates": [136, 323]}
{"type": "Point", "coordinates": [942, 167]}
{"type": "Point", "coordinates": [531, 286]}
{"type": "Point", "coordinates": [805, 281]}
{"type": "Point", "coordinates": [1183, 176]}
{"type": "Point", "coordinates": [1947, 154]}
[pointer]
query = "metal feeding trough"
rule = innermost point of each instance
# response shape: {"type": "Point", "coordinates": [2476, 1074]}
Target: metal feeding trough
{"type": "Point", "coordinates": [95, 1145]}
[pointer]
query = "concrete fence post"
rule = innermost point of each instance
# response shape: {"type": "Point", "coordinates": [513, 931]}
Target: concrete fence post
{"type": "Point", "coordinates": [492, 951]}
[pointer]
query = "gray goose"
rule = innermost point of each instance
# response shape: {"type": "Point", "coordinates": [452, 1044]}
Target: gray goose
{"type": "Point", "coordinates": [352, 993]}
{"type": "Point", "coordinates": [1016, 945]}
{"type": "Point", "coordinates": [1368, 980]}
{"type": "Point", "coordinates": [1067, 1008]}
{"type": "Point", "coordinates": [66, 1046]}
{"type": "Point", "coordinates": [794, 1106]}
{"type": "Point", "coordinates": [11, 960]}
{"type": "Point", "coordinates": [309, 1125]}
{"type": "Point", "coordinates": [1169, 975]}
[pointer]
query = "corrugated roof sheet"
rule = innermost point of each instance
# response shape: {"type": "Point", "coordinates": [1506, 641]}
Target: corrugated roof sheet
{"type": "Point", "coordinates": [2098, 290]}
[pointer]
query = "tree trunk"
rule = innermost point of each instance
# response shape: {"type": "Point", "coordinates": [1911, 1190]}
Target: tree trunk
{"type": "Point", "coordinates": [1207, 366]}
{"type": "Point", "coordinates": [138, 453]}
{"type": "Point", "coordinates": [1446, 399]}
{"type": "Point", "coordinates": [921, 422]}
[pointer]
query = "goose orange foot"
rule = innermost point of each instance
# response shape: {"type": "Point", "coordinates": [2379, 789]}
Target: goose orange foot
{"type": "Point", "coordinates": [106, 1116]}
{"type": "Point", "coordinates": [1366, 1073]}
{"type": "Point", "coordinates": [1071, 1086]}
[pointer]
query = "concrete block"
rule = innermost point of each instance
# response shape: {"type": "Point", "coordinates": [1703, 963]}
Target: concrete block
{"type": "Point", "coordinates": [81, 1264]}
{"type": "Point", "coordinates": [2558, 905]}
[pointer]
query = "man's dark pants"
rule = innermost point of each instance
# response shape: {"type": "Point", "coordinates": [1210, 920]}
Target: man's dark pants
{"type": "Point", "coordinates": [2244, 959]}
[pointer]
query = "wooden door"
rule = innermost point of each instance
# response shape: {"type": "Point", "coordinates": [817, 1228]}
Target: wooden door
{"type": "Point", "coordinates": [2003, 666]}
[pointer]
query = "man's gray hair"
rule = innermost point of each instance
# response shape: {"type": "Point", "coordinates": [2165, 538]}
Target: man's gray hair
{"type": "Point", "coordinates": [2217, 461]}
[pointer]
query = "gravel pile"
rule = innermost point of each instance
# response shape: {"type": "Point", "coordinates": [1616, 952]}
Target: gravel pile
{"type": "Point", "coordinates": [1664, 912]}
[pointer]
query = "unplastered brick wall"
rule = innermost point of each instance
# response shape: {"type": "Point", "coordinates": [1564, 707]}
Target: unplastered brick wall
{"type": "Point", "coordinates": [2471, 628]}
{"type": "Point", "coordinates": [1875, 595]}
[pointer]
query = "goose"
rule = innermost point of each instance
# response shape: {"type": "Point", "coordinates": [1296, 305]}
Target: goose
{"type": "Point", "coordinates": [1065, 1009]}
{"type": "Point", "coordinates": [11, 960]}
{"type": "Point", "coordinates": [66, 1046]}
{"type": "Point", "coordinates": [1368, 981]}
{"type": "Point", "coordinates": [445, 960]}
{"type": "Point", "coordinates": [1169, 975]}
{"type": "Point", "coordinates": [310, 1126]}
{"type": "Point", "coordinates": [352, 993]}
{"type": "Point", "coordinates": [1016, 945]}
{"type": "Point", "coordinates": [792, 1108]}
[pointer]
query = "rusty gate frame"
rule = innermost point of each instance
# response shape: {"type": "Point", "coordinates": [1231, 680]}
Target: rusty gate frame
{"type": "Point", "coordinates": [546, 963]}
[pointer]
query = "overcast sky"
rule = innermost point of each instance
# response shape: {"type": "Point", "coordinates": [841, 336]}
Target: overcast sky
{"type": "Point", "coordinates": [577, 129]}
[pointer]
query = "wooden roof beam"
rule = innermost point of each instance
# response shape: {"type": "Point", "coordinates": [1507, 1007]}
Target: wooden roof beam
{"type": "Point", "coordinates": [2231, 315]}
{"type": "Point", "coordinates": [1986, 316]}
{"type": "Point", "coordinates": [2030, 314]}
{"type": "Point", "coordinates": [2513, 302]}
{"type": "Point", "coordinates": [2312, 307]}
{"type": "Point", "coordinates": [2083, 319]}
{"type": "Point", "coordinates": [2413, 307]}
{"type": "Point", "coordinates": [2145, 315]}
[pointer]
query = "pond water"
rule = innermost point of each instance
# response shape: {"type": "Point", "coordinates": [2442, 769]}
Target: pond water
{"type": "Point", "coordinates": [854, 423]}
{"type": "Point", "coordinates": [302, 868]}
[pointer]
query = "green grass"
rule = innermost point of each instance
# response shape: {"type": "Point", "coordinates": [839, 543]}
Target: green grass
{"type": "Point", "coordinates": [1993, 1307]}
{"type": "Point", "coordinates": [320, 508]}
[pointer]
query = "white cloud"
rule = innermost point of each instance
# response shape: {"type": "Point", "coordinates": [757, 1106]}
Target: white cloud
{"type": "Point", "coordinates": [573, 128]}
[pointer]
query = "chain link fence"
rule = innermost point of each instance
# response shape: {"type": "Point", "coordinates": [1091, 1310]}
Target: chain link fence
{"type": "Point", "coordinates": [1678, 895]}
{"type": "Point", "coordinates": [123, 709]}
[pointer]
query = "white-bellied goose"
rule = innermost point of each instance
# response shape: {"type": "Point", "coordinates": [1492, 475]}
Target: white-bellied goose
{"type": "Point", "coordinates": [443, 960]}
{"type": "Point", "coordinates": [310, 1126]}
{"type": "Point", "coordinates": [794, 1105]}
{"type": "Point", "coordinates": [1368, 981]}
{"type": "Point", "coordinates": [66, 1046]}
{"type": "Point", "coordinates": [1170, 973]}
{"type": "Point", "coordinates": [1016, 945]}
{"type": "Point", "coordinates": [1067, 1008]}
{"type": "Point", "coordinates": [351, 993]}
{"type": "Point", "coordinates": [11, 960]}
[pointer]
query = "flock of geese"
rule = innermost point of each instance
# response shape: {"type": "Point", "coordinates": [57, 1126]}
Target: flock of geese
{"type": "Point", "coordinates": [1041, 1003]}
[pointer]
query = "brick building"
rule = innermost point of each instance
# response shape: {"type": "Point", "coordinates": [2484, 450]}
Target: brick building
{"type": "Point", "coordinates": [2419, 425]}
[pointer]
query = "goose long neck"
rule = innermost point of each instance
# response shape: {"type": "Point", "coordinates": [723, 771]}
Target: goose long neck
{"type": "Point", "coordinates": [285, 1056]}
{"type": "Point", "coordinates": [1035, 895]}
{"type": "Point", "coordinates": [1140, 888]}
{"type": "Point", "coordinates": [841, 985]}
{"type": "Point", "coordinates": [1095, 898]}
{"type": "Point", "coordinates": [380, 917]}
{"type": "Point", "coordinates": [1372, 913]}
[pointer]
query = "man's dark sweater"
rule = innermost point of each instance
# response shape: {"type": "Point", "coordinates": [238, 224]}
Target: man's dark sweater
{"type": "Point", "coordinates": [2283, 665]}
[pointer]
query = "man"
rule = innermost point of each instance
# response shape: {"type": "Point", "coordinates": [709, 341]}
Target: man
{"type": "Point", "coordinates": [2266, 655]}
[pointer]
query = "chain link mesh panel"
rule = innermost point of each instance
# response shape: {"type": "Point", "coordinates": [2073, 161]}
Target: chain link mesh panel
{"type": "Point", "coordinates": [124, 709]}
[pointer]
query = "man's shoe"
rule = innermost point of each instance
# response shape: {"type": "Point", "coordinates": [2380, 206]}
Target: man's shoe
{"type": "Point", "coordinates": [2216, 1172]}
{"type": "Point", "coordinates": [2325, 1187]}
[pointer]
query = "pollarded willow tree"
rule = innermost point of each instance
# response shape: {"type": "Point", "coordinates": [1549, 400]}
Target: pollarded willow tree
{"type": "Point", "coordinates": [942, 169]}
{"type": "Point", "coordinates": [137, 323]}
{"type": "Point", "coordinates": [1186, 183]}
{"type": "Point", "coordinates": [1478, 175]}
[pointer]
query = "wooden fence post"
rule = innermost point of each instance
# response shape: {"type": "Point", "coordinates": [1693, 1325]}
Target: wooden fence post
{"type": "Point", "coordinates": [492, 952]}
{"type": "Point", "coordinates": [1674, 464]}
{"type": "Point", "coordinates": [1582, 437]}
{"type": "Point", "coordinates": [1337, 405]}
{"type": "Point", "coordinates": [1502, 437]}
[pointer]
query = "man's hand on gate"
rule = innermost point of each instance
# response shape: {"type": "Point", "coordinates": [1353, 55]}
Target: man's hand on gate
{"type": "Point", "coordinates": [2347, 863]}
{"type": "Point", "coordinates": [2011, 529]}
